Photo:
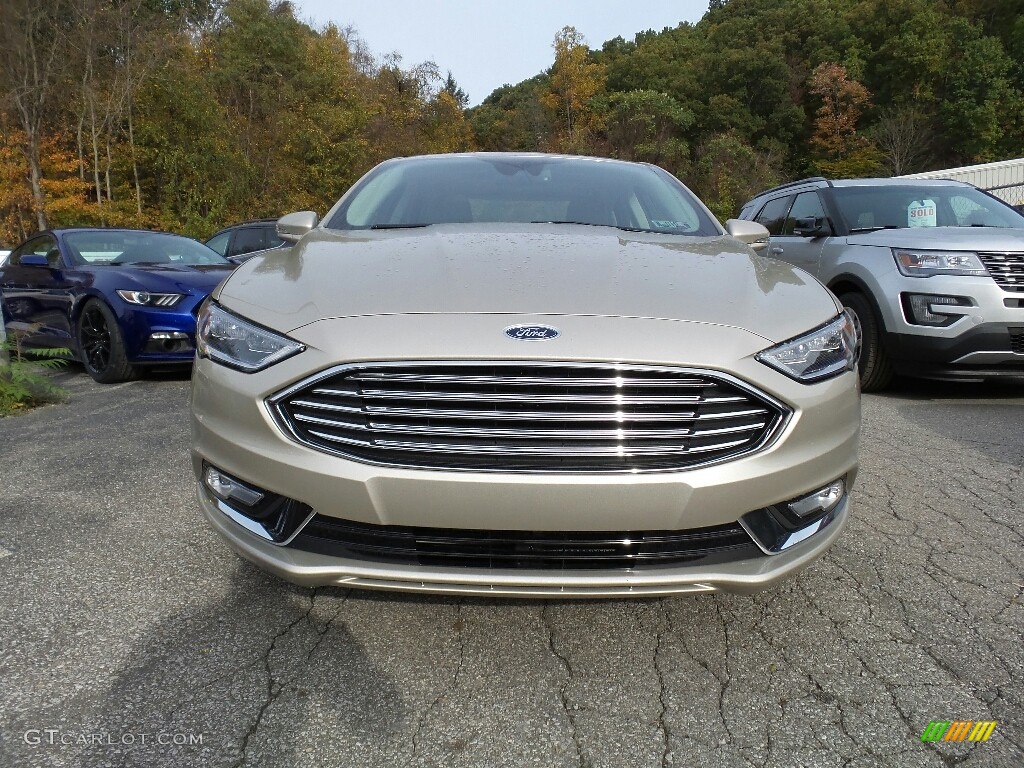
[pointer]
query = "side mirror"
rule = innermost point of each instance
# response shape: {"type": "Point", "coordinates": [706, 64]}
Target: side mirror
{"type": "Point", "coordinates": [750, 232]}
{"type": "Point", "coordinates": [811, 226]}
{"type": "Point", "coordinates": [292, 226]}
{"type": "Point", "coordinates": [33, 260]}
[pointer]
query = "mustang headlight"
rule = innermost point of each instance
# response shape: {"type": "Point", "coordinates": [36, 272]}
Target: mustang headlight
{"type": "Point", "coordinates": [824, 352]}
{"type": "Point", "coordinates": [928, 263]}
{"type": "Point", "coordinates": [239, 343]}
{"type": "Point", "coordinates": [147, 299]}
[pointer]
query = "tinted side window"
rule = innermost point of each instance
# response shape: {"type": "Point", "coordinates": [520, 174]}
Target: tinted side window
{"type": "Point", "coordinates": [773, 215]}
{"type": "Point", "coordinates": [247, 240]}
{"type": "Point", "coordinates": [806, 204]}
{"type": "Point", "coordinates": [38, 246]}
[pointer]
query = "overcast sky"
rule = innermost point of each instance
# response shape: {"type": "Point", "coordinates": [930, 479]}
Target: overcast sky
{"type": "Point", "coordinates": [488, 43]}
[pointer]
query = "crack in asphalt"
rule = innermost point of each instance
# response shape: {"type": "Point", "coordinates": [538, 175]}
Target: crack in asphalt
{"type": "Point", "coordinates": [272, 694]}
{"type": "Point", "coordinates": [459, 626]}
{"type": "Point", "coordinates": [563, 689]}
{"type": "Point", "coordinates": [666, 754]}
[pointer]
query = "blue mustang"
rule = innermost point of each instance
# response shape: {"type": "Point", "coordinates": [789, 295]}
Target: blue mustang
{"type": "Point", "coordinates": [119, 299]}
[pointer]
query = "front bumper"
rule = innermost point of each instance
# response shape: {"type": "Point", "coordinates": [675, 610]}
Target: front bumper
{"type": "Point", "coordinates": [234, 431]}
{"type": "Point", "coordinates": [313, 569]}
{"type": "Point", "coordinates": [160, 336]}
{"type": "Point", "coordinates": [985, 339]}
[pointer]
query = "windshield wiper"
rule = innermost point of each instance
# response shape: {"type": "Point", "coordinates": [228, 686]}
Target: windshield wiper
{"type": "Point", "coordinates": [614, 226]}
{"type": "Point", "coordinates": [875, 229]}
{"type": "Point", "coordinates": [399, 226]}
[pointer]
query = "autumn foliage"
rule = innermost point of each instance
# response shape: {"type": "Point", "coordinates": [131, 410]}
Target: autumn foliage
{"type": "Point", "coordinates": [192, 114]}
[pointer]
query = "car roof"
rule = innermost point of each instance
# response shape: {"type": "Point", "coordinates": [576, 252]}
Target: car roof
{"type": "Point", "coordinates": [436, 158]}
{"type": "Point", "coordinates": [818, 182]}
{"type": "Point", "coordinates": [69, 230]}
{"type": "Point", "coordinates": [898, 182]}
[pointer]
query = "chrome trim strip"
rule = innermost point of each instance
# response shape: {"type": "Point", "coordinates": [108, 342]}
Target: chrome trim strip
{"type": "Point", "coordinates": [538, 434]}
{"type": "Point", "coordinates": [506, 450]}
{"type": "Point", "coordinates": [274, 407]}
{"type": "Point", "coordinates": [396, 394]}
{"type": "Point", "coordinates": [989, 358]}
{"type": "Point", "coordinates": [772, 539]}
{"type": "Point", "coordinates": [525, 381]}
{"type": "Point", "coordinates": [255, 528]}
{"type": "Point", "coordinates": [535, 415]}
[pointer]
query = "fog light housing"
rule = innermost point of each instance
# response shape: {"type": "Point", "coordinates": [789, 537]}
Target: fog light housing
{"type": "Point", "coordinates": [926, 308]}
{"type": "Point", "coordinates": [227, 488]}
{"type": "Point", "coordinates": [821, 502]}
{"type": "Point", "coordinates": [777, 528]}
{"type": "Point", "coordinates": [272, 517]}
{"type": "Point", "coordinates": [168, 341]}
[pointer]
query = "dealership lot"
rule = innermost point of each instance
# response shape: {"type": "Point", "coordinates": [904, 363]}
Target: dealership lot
{"type": "Point", "coordinates": [132, 636]}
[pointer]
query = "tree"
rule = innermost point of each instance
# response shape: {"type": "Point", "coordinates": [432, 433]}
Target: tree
{"type": "Point", "coordinates": [904, 136]}
{"type": "Point", "coordinates": [575, 80]}
{"type": "Point", "coordinates": [841, 150]}
{"type": "Point", "coordinates": [31, 38]}
{"type": "Point", "coordinates": [647, 126]}
{"type": "Point", "coordinates": [458, 95]}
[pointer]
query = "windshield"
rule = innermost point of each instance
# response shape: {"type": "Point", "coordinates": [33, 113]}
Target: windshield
{"type": "Point", "coordinates": [908, 205]}
{"type": "Point", "coordinates": [472, 189]}
{"type": "Point", "coordinates": [112, 246]}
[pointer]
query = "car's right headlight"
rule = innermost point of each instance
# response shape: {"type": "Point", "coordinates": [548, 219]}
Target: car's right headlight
{"type": "Point", "coordinates": [238, 343]}
{"type": "Point", "coordinates": [824, 352]}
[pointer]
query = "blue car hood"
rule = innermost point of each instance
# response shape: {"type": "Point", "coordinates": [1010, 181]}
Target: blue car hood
{"type": "Point", "coordinates": [184, 278]}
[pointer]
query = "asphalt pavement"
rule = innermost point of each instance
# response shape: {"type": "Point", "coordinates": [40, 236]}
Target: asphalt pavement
{"type": "Point", "coordinates": [131, 636]}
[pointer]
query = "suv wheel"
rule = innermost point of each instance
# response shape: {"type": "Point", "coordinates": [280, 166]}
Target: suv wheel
{"type": "Point", "coordinates": [875, 366]}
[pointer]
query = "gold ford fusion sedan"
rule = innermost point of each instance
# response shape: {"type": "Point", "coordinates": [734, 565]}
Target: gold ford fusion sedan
{"type": "Point", "coordinates": [527, 375]}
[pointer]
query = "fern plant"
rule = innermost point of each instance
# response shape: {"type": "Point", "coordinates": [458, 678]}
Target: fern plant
{"type": "Point", "coordinates": [23, 379]}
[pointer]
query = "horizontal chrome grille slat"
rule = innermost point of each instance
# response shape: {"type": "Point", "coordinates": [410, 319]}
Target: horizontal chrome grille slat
{"type": "Point", "coordinates": [538, 434]}
{"type": "Point", "coordinates": [523, 381]}
{"type": "Point", "coordinates": [528, 416]}
{"type": "Point", "coordinates": [392, 394]}
{"type": "Point", "coordinates": [448, 413]}
{"type": "Point", "coordinates": [520, 450]}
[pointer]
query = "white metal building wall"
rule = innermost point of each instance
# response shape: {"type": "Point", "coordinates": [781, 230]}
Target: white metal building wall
{"type": "Point", "coordinates": [1004, 179]}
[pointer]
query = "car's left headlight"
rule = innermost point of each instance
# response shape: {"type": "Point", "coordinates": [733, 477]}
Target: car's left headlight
{"type": "Point", "coordinates": [147, 299]}
{"type": "Point", "coordinates": [238, 343]}
{"type": "Point", "coordinates": [824, 352]}
{"type": "Point", "coordinates": [927, 263]}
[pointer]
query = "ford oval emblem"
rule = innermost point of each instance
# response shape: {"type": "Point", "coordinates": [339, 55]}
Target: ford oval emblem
{"type": "Point", "coordinates": [531, 332]}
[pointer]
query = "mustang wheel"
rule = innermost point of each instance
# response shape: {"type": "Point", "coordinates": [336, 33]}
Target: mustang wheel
{"type": "Point", "coordinates": [101, 345]}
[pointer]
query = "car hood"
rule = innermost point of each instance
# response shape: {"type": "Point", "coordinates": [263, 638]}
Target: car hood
{"type": "Point", "coordinates": [552, 270]}
{"type": "Point", "coordinates": [949, 238]}
{"type": "Point", "coordinates": [185, 278]}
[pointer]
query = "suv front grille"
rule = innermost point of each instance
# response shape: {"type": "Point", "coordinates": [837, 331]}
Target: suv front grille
{"type": "Point", "coordinates": [547, 550]}
{"type": "Point", "coordinates": [1007, 269]}
{"type": "Point", "coordinates": [528, 417]}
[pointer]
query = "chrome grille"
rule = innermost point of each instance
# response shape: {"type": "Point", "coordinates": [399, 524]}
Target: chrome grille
{"type": "Point", "coordinates": [1007, 269]}
{"type": "Point", "coordinates": [533, 417]}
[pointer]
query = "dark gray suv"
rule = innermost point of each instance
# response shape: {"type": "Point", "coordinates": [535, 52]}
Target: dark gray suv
{"type": "Point", "coordinates": [934, 270]}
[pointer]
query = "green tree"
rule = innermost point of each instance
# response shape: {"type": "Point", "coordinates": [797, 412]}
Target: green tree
{"type": "Point", "coordinates": [575, 81]}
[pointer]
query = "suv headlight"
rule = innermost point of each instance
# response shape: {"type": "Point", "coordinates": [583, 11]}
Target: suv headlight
{"type": "Point", "coordinates": [239, 343]}
{"type": "Point", "coordinates": [927, 263]}
{"type": "Point", "coordinates": [824, 352]}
